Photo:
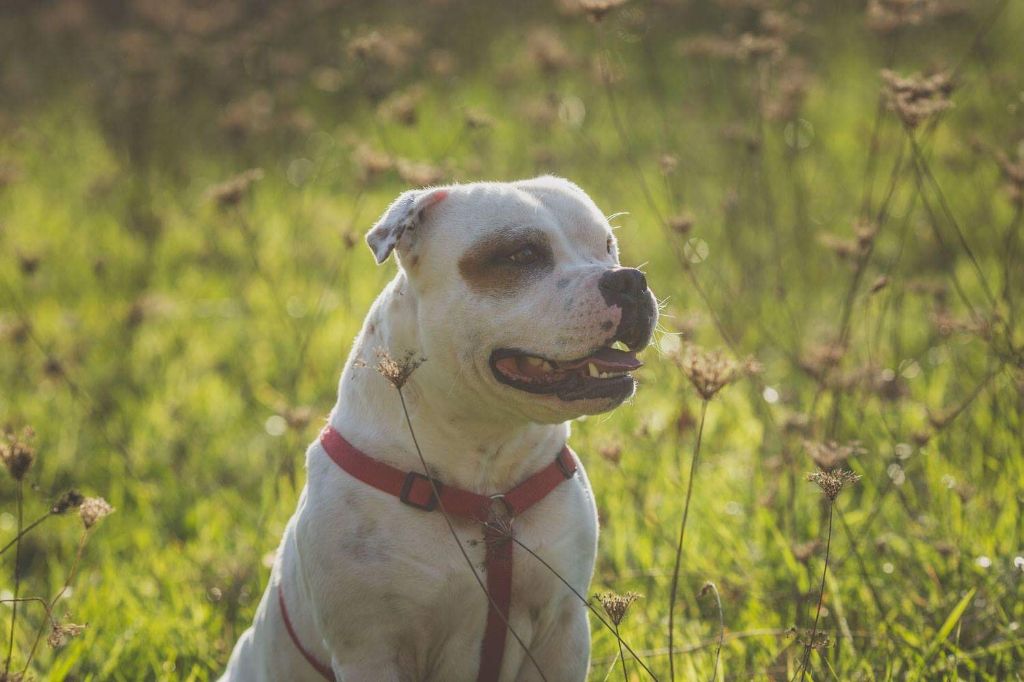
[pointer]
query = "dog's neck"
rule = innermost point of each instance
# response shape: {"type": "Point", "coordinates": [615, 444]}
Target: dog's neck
{"type": "Point", "coordinates": [464, 447]}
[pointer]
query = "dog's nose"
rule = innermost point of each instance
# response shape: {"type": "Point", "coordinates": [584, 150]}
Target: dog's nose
{"type": "Point", "coordinates": [623, 282]}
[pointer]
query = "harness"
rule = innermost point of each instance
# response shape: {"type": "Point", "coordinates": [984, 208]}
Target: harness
{"type": "Point", "coordinates": [495, 512]}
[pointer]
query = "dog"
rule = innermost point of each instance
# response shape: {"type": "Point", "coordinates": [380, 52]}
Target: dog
{"type": "Point", "coordinates": [512, 296]}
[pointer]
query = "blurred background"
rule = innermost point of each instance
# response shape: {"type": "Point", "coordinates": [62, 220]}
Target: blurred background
{"type": "Point", "coordinates": [833, 190]}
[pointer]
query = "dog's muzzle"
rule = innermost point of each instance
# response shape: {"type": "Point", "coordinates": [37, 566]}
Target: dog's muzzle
{"type": "Point", "coordinates": [627, 289]}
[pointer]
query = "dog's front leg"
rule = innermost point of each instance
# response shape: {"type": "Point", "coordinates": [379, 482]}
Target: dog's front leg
{"type": "Point", "coordinates": [564, 653]}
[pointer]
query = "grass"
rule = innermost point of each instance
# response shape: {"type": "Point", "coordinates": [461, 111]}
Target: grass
{"type": "Point", "coordinates": [175, 354]}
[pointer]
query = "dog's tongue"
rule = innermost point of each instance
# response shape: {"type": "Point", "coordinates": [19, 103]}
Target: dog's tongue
{"type": "Point", "coordinates": [607, 359]}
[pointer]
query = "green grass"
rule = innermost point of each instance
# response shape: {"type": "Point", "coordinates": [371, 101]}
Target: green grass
{"type": "Point", "coordinates": [160, 338]}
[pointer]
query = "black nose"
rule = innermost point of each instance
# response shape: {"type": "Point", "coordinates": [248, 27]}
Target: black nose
{"type": "Point", "coordinates": [622, 282]}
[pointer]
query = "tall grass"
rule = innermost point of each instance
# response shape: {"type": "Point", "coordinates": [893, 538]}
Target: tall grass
{"type": "Point", "coordinates": [832, 190]}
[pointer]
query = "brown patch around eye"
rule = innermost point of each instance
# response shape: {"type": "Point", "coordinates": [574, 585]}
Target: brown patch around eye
{"type": "Point", "coordinates": [486, 269]}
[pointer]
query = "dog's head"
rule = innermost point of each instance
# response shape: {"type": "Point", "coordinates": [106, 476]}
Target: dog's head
{"type": "Point", "coordinates": [519, 296]}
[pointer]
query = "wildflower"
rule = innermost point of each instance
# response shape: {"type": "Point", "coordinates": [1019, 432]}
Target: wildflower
{"type": "Point", "coordinates": [805, 550]}
{"type": "Point", "coordinates": [833, 482]}
{"type": "Point", "coordinates": [809, 638]}
{"type": "Point", "coordinates": [596, 10]}
{"type": "Point", "coordinates": [60, 633]}
{"type": "Point", "coordinates": [402, 107]}
{"type": "Point", "coordinates": [708, 371]}
{"type": "Point", "coordinates": [761, 47]}
{"type": "Point", "coordinates": [72, 499]}
{"type": "Point", "coordinates": [668, 163]}
{"type": "Point", "coordinates": [681, 224]}
{"type": "Point", "coordinates": [547, 51]}
{"type": "Point", "coordinates": [372, 162]}
{"type": "Point", "coordinates": [92, 510]}
{"type": "Point", "coordinates": [830, 454]}
{"type": "Point", "coordinates": [232, 191]}
{"type": "Point", "coordinates": [419, 174]}
{"type": "Point", "coordinates": [477, 119]}
{"type": "Point", "coordinates": [16, 453]}
{"type": "Point", "coordinates": [916, 98]}
{"type": "Point", "coordinates": [397, 372]}
{"type": "Point", "coordinates": [610, 452]}
{"type": "Point", "coordinates": [617, 605]}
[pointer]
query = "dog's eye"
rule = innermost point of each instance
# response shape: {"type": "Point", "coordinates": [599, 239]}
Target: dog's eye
{"type": "Point", "coordinates": [523, 256]}
{"type": "Point", "coordinates": [608, 245]}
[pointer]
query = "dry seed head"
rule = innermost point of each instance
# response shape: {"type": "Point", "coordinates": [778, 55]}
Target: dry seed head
{"type": "Point", "coordinates": [72, 499]}
{"type": "Point", "coordinates": [708, 371]}
{"type": "Point", "coordinates": [596, 10]}
{"type": "Point", "coordinates": [917, 98]}
{"type": "Point", "coordinates": [811, 640]}
{"type": "Point", "coordinates": [681, 224]}
{"type": "Point", "coordinates": [372, 162]}
{"type": "Point", "coordinates": [232, 191]}
{"type": "Point", "coordinates": [92, 510]}
{"type": "Point", "coordinates": [60, 633]}
{"type": "Point", "coordinates": [617, 605]}
{"type": "Point", "coordinates": [419, 174]}
{"type": "Point", "coordinates": [16, 452]}
{"type": "Point", "coordinates": [833, 482]}
{"type": "Point", "coordinates": [397, 372]}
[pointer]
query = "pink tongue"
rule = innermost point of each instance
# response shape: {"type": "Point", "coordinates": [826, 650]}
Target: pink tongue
{"type": "Point", "coordinates": [607, 359]}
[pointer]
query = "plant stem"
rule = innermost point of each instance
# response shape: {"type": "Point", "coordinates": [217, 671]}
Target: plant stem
{"type": "Point", "coordinates": [451, 529]}
{"type": "Point", "coordinates": [586, 602]}
{"type": "Point", "coordinates": [622, 656]}
{"type": "Point", "coordinates": [821, 595]}
{"type": "Point", "coordinates": [679, 544]}
{"type": "Point", "coordinates": [17, 578]}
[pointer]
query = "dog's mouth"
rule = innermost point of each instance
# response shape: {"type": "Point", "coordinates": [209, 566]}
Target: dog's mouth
{"type": "Point", "coordinates": [602, 374]}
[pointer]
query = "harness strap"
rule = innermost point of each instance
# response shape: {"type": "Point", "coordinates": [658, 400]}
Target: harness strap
{"type": "Point", "coordinates": [496, 512]}
{"type": "Point", "coordinates": [324, 670]}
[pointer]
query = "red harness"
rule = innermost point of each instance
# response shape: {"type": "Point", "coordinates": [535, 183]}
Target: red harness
{"type": "Point", "coordinates": [494, 511]}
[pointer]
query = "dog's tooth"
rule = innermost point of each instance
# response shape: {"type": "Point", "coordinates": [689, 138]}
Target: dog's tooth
{"type": "Point", "coordinates": [534, 362]}
{"type": "Point", "coordinates": [548, 367]}
{"type": "Point", "coordinates": [592, 370]}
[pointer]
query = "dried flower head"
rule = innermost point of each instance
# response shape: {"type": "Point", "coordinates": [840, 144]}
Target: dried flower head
{"type": "Point", "coordinates": [708, 371]}
{"type": "Point", "coordinates": [232, 191]}
{"type": "Point", "coordinates": [805, 550]}
{"type": "Point", "coordinates": [72, 499]}
{"type": "Point", "coordinates": [833, 482]}
{"type": "Point", "coordinates": [371, 162]}
{"type": "Point", "coordinates": [610, 452]}
{"type": "Point", "coordinates": [830, 454]}
{"type": "Point", "coordinates": [16, 452]}
{"type": "Point", "coordinates": [617, 605]}
{"type": "Point", "coordinates": [681, 224]}
{"type": "Point", "coordinates": [596, 10]}
{"type": "Point", "coordinates": [61, 632]}
{"type": "Point", "coordinates": [93, 509]}
{"type": "Point", "coordinates": [810, 639]}
{"type": "Point", "coordinates": [917, 98]}
{"type": "Point", "coordinates": [419, 174]}
{"type": "Point", "coordinates": [397, 372]}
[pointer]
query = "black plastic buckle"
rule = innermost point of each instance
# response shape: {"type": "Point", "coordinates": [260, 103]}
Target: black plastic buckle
{"type": "Point", "coordinates": [410, 481]}
{"type": "Point", "coordinates": [565, 466]}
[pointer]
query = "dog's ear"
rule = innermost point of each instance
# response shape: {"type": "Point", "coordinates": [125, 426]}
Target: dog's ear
{"type": "Point", "coordinates": [404, 214]}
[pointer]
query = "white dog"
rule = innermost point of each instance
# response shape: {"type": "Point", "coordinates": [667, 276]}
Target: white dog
{"type": "Point", "coordinates": [513, 294]}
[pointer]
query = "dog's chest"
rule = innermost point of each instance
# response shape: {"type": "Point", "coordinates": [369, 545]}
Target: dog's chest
{"type": "Point", "coordinates": [399, 575]}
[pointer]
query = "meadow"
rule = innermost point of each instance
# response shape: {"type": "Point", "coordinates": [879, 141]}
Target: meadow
{"type": "Point", "coordinates": [826, 197]}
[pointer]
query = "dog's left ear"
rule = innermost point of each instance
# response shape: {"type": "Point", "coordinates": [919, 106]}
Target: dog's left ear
{"type": "Point", "coordinates": [404, 214]}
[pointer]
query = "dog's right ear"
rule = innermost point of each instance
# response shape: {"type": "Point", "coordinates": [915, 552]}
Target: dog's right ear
{"type": "Point", "coordinates": [404, 214]}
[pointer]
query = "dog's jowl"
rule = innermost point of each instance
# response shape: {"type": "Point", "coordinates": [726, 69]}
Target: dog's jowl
{"type": "Point", "coordinates": [509, 316]}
